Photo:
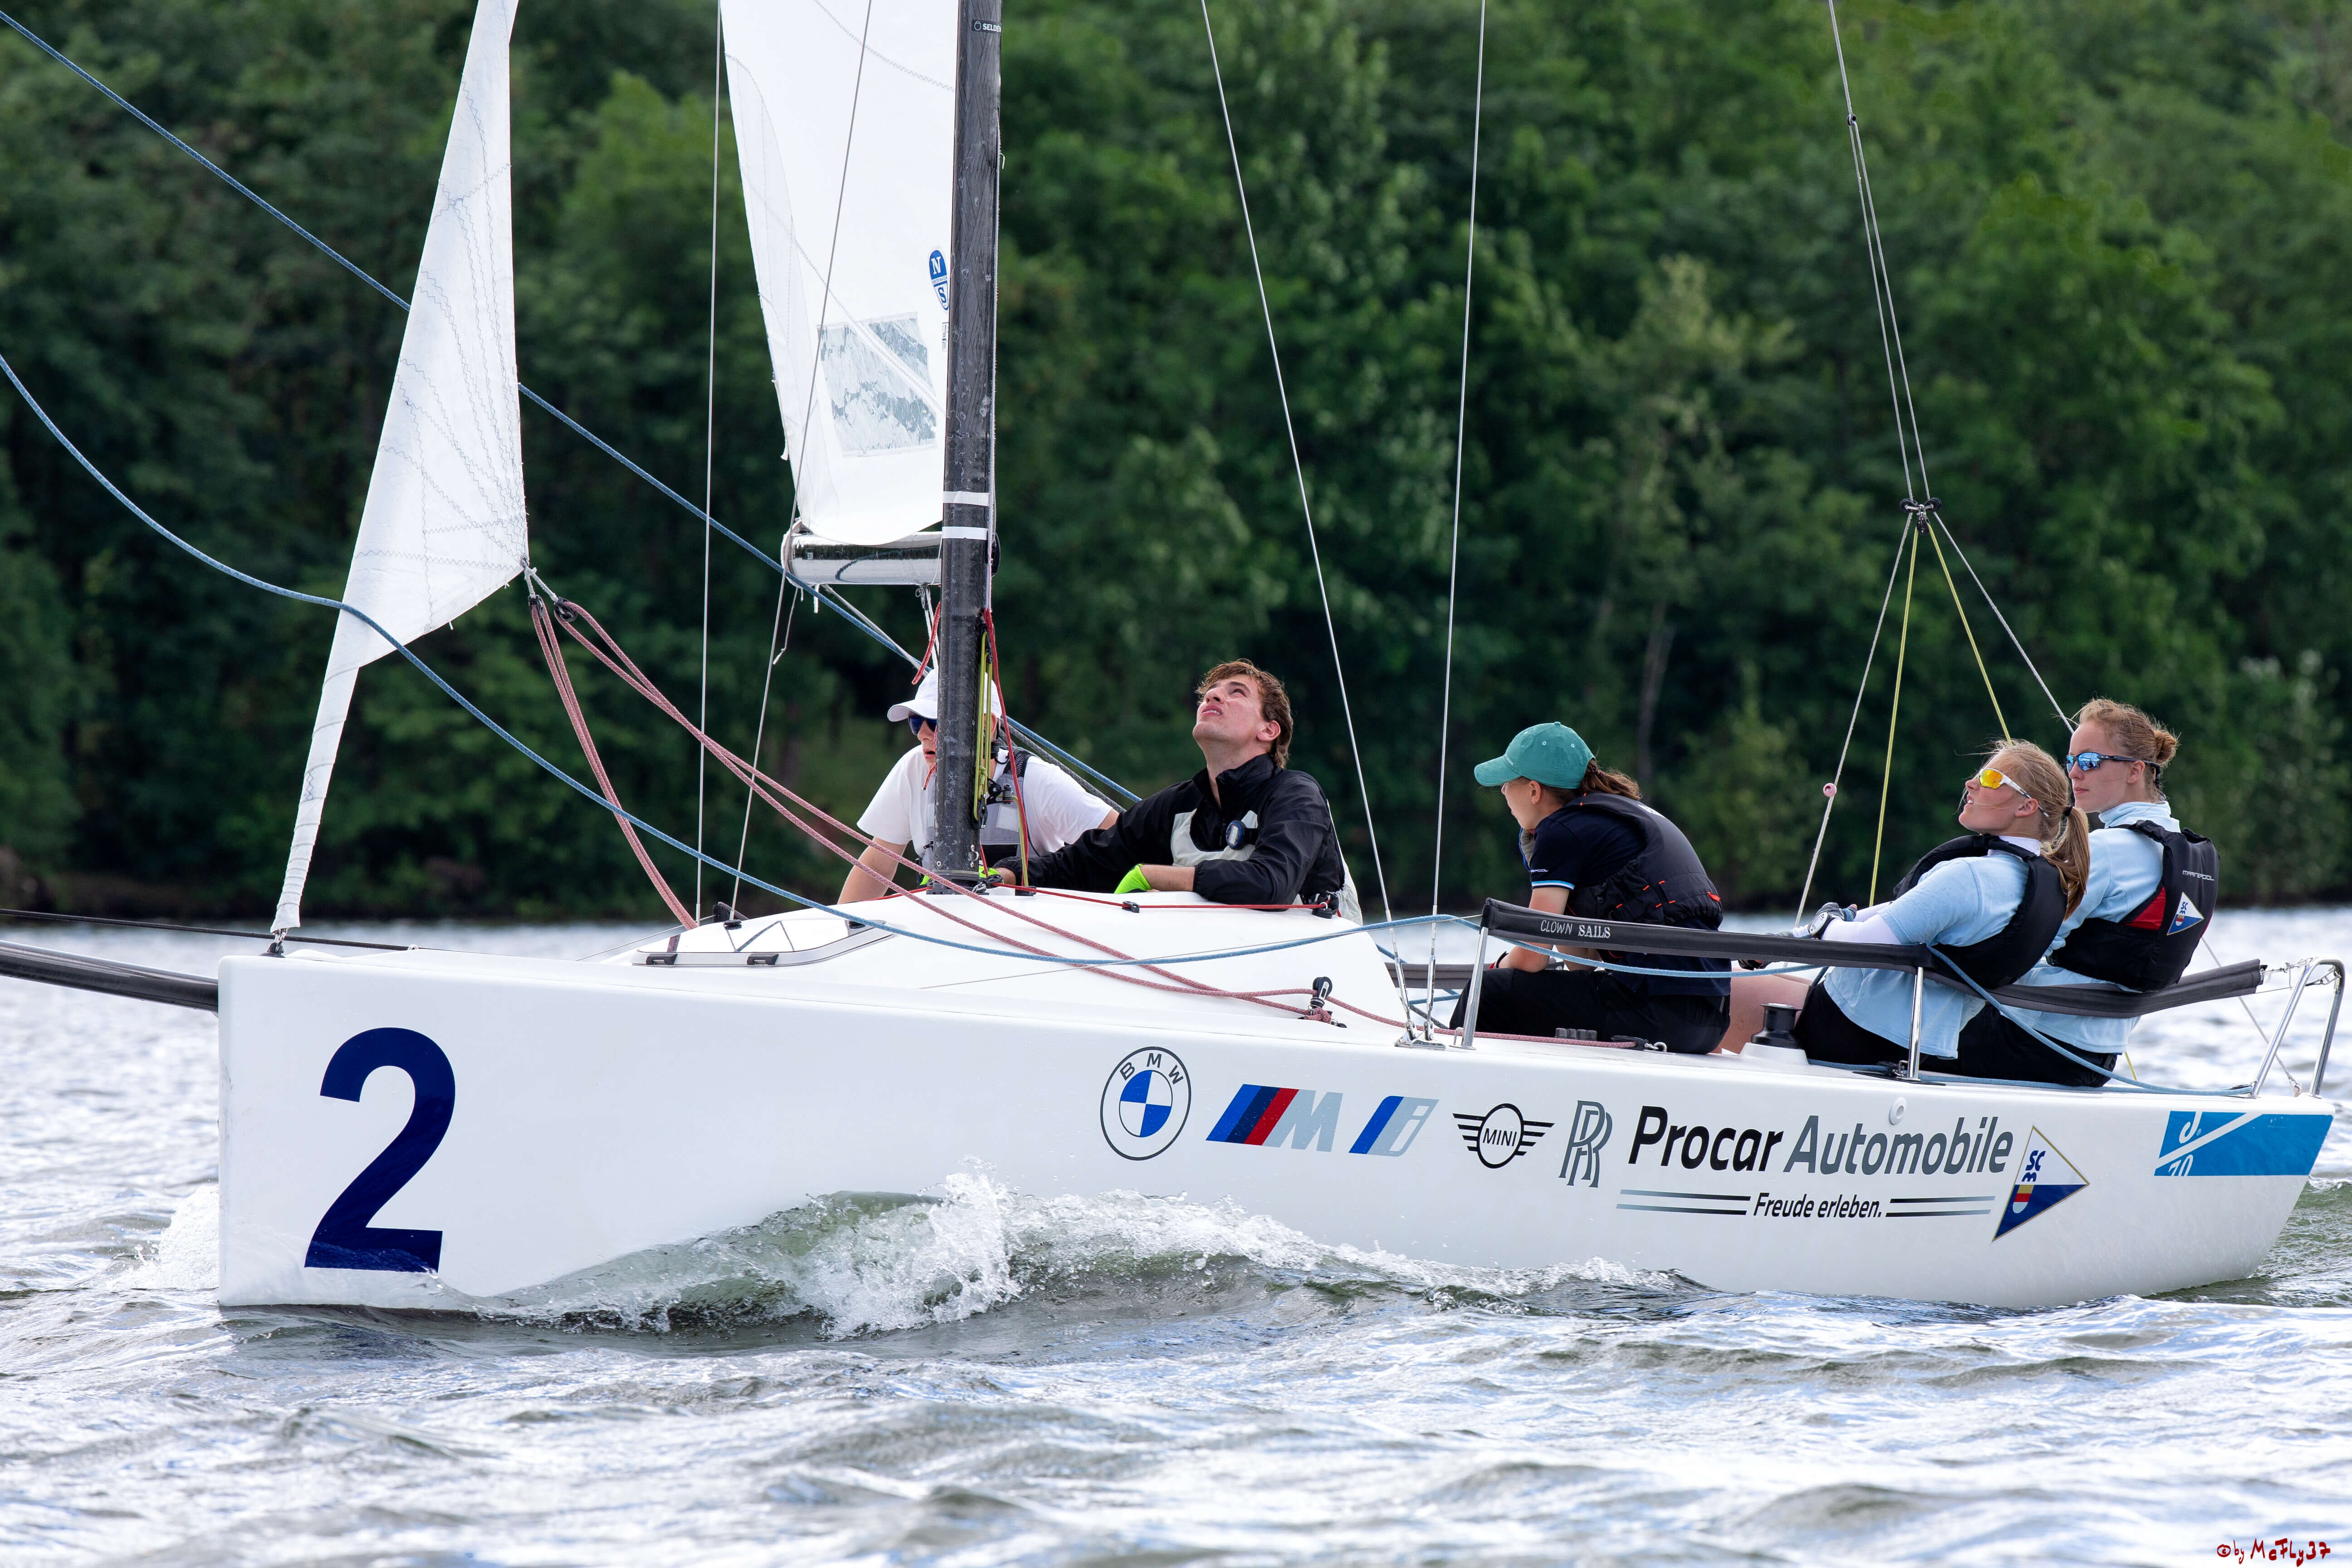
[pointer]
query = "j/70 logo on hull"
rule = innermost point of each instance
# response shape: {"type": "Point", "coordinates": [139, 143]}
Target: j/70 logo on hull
{"type": "Point", "coordinates": [1262, 1116]}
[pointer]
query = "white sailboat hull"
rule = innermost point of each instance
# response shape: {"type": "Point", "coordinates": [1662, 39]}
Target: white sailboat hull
{"type": "Point", "coordinates": [594, 1110]}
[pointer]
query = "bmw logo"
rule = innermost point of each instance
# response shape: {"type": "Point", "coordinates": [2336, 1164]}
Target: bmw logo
{"type": "Point", "coordinates": [1145, 1103]}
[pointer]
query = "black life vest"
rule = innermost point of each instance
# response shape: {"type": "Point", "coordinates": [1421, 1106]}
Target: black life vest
{"type": "Point", "coordinates": [2002, 958]}
{"type": "Point", "coordinates": [1663, 883]}
{"type": "Point", "coordinates": [2151, 949]}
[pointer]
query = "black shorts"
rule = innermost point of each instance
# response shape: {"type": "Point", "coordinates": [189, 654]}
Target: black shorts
{"type": "Point", "coordinates": [1829, 1035]}
{"type": "Point", "coordinates": [1536, 1001]}
{"type": "Point", "coordinates": [1993, 1047]}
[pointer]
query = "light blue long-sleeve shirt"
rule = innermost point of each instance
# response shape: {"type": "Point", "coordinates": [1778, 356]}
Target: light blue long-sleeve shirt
{"type": "Point", "coordinates": [1959, 902]}
{"type": "Point", "coordinates": [2126, 871]}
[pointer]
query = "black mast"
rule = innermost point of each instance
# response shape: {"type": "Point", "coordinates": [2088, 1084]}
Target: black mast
{"type": "Point", "coordinates": [968, 481]}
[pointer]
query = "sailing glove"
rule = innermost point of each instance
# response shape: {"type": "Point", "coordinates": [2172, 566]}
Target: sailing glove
{"type": "Point", "coordinates": [1135, 881]}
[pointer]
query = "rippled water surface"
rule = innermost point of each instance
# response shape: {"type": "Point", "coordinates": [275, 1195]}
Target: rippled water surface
{"type": "Point", "coordinates": [982, 1376]}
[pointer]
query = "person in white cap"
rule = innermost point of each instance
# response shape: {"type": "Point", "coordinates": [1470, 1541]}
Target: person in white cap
{"type": "Point", "coordinates": [1058, 807]}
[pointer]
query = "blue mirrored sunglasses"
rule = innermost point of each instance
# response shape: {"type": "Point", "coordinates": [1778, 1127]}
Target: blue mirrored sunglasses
{"type": "Point", "coordinates": [2088, 761]}
{"type": "Point", "coordinates": [917, 724]}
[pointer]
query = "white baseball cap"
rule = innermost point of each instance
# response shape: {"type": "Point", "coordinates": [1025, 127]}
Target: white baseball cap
{"type": "Point", "coordinates": [924, 702]}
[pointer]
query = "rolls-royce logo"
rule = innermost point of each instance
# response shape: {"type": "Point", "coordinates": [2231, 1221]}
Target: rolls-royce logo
{"type": "Point", "coordinates": [1588, 1134]}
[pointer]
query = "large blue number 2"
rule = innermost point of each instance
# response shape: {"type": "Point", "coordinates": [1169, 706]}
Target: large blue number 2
{"type": "Point", "coordinates": [344, 1238]}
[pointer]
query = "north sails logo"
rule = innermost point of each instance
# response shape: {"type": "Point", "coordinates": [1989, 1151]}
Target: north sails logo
{"type": "Point", "coordinates": [1500, 1136]}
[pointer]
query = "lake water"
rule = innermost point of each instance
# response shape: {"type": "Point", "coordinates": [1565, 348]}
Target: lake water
{"type": "Point", "coordinates": [991, 1378]}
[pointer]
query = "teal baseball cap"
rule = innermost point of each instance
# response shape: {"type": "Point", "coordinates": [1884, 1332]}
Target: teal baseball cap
{"type": "Point", "coordinates": [1551, 754]}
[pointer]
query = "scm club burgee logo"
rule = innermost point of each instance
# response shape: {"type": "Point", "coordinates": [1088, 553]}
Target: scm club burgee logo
{"type": "Point", "coordinates": [1145, 1103]}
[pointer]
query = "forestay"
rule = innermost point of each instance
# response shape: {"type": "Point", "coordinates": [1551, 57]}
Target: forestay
{"type": "Point", "coordinates": [845, 123]}
{"type": "Point", "coordinates": [443, 526]}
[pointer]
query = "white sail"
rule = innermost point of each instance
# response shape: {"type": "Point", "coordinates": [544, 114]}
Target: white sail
{"type": "Point", "coordinates": [842, 107]}
{"type": "Point", "coordinates": [443, 526]}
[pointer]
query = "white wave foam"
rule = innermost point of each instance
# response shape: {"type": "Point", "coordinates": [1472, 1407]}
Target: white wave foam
{"type": "Point", "coordinates": [866, 1263]}
{"type": "Point", "coordinates": [186, 1256]}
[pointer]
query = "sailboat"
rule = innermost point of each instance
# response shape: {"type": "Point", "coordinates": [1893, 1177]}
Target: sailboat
{"type": "Point", "coordinates": [429, 1130]}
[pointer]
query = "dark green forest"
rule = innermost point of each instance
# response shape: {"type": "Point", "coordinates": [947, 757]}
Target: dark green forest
{"type": "Point", "coordinates": [2120, 236]}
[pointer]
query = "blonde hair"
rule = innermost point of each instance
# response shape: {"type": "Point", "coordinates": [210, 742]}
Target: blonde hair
{"type": "Point", "coordinates": [2065, 832]}
{"type": "Point", "coordinates": [2140, 736]}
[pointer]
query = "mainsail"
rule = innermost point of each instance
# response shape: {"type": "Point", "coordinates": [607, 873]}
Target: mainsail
{"type": "Point", "coordinates": [443, 526]}
{"type": "Point", "coordinates": [845, 123]}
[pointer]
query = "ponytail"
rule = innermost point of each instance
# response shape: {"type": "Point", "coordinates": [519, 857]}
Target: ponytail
{"type": "Point", "coordinates": [2065, 832]}
{"type": "Point", "coordinates": [2071, 853]}
{"type": "Point", "coordinates": [1599, 780]}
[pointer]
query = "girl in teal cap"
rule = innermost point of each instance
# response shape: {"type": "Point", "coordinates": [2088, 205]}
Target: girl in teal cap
{"type": "Point", "coordinates": [1594, 849]}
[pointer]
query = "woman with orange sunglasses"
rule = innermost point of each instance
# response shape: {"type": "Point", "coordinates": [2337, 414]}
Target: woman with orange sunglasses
{"type": "Point", "coordinates": [1991, 901]}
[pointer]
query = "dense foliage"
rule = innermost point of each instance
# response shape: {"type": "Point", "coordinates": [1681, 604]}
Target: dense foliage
{"type": "Point", "coordinates": [2121, 239]}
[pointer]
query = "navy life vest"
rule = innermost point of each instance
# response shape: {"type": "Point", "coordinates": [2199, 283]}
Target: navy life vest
{"type": "Point", "coordinates": [2002, 958]}
{"type": "Point", "coordinates": [2151, 948]}
{"type": "Point", "coordinates": [1663, 883]}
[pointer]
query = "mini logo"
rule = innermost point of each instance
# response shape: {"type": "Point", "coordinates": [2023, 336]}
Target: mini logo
{"type": "Point", "coordinates": [1588, 1134]}
{"type": "Point", "coordinates": [2044, 1179]}
{"type": "Point", "coordinates": [940, 278]}
{"type": "Point", "coordinates": [1145, 1103]}
{"type": "Point", "coordinates": [1500, 1136]}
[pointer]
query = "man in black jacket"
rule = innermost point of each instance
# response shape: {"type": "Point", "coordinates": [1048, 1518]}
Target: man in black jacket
{"type": "Point", "coordinates": [1244, 831]}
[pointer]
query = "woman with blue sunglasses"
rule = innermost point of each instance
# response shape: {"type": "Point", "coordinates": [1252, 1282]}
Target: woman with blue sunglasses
{"type": "Point", "coordinates": [2145, 905]}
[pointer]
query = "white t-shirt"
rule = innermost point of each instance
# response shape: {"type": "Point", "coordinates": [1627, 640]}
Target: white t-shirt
{"type": "Point", "coordinates": [1059, 807]}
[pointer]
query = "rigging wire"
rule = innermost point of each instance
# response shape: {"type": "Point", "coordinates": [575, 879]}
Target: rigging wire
{"type": "Point", "coordinates": [709, 431]}
{"type": "Point", "coordinates": [780, 640]}
{"type": "Point", "coordinates": [1014, 947]}
{"type": "Point", "coordinates": [1454, 551]}
{"type": "Point", "coordinates": [1882, 281]}
{"type": "Point", "coordinates": [589, 793]}
{"type": "Point", "coordinates": [1895, 708]}
{"type": "Point", "coordinates": [348, 265]}
{"type": "Point", "coordinates": [200, 930]}
{"type": "Point", "coordinates": [2065, 720]}
{"type": "Point", "coordinates": [1969, 632]}
{"type": "Point", "coordinates": [701, 514]}
{"type": "Point", "coordinates": [1922, 513]}
{"type": "Point", "coordinates": [1299, 467]}
{"type": "Point", "coordinates": [779, 629]}
{"type": "Point", "coordinates": [542, 627]}
{"type": "Point", "coordinates": [1830, 790]}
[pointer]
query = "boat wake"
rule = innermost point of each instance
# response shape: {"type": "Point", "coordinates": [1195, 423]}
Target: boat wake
{"type": "Point", "coordinates": [854, 1264]}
